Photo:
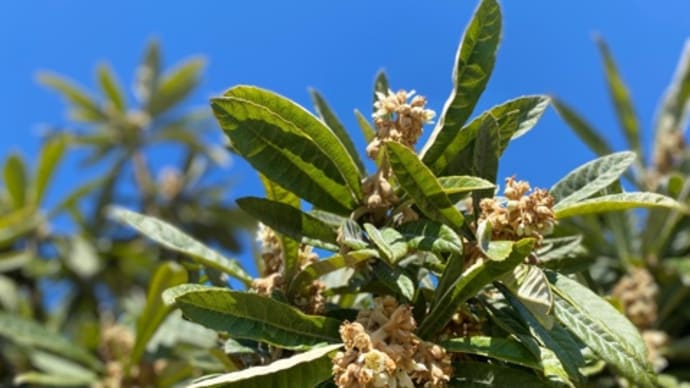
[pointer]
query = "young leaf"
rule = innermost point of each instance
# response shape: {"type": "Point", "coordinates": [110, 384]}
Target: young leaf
{"type": "Point", "coordinates": [15, 179]}
{"type": "Point", "coordinates": [367, 130]}
{"type": "Point", "coordinates": [503, 349]}
{"type": "Point", "coordinates": [167, 275]}
{"type": "Point", "coordinates": [515, 117]}
{"type": "Point", "coordinates": [590, 178]}
{"type": "Point", "coordinates": [431, 236]}
{"type": "Point", "coordinates": [32, 334]}
{"type": "Point", "coordinates": [673, 111]}
{"type": "Point", "coordinates": [301, 370]}
{"type": "Point", "coordinates": [51, 154]}
{"type": "Point", "coordinates": [456, 184]}
{"type": "Point", "coordinates": [389, 242]}
{"type": "Point", "coordinates": [582, 128]}
{"type": "Point", "coordinates": [337, 127]}
{"type": "Point", "coordinates": [331, 264]}
{"type": "Point", "coordinates": [473, 66]}
{"type": "Point", "coordinates": [174, 86]}
{"type": "Point", "coordinates": [613, 202]}
{"type": "Point", "coordinates": [251, 316]}
{"type": "Point", "coordinates": [529, 284]}
{"type": "Point", "coordinates": [286, 144]}
{"type": "Point", "coordinates": [111, 88]}
{"type": "Point", "coordinates": [173, 238]}
{"type": "Point", "coordinates": [380, 86]}
{"type": "Point", "coordinates": [621, 100]}
{"type": "Point", "coordinates": [421, 184]}
{"type": "Point", "coordinates": [599, 325]}
{"type": "Point", "coordinates": [290, 221]}
{"type": "Point", "coordinates": [472, 280]}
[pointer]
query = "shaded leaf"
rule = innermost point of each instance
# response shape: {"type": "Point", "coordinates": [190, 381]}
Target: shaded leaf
{"type": "Point", "coordinates": [389, 242]}
{"type": "Point", "coordinates": [621, 100]}
{"type": "Point", "coordinates": [30, 333]}
{"type": "Point", "coordinates": [582, 128]}
{"type": "Point", "coordinates": [613, 202]}
{"type": "Point", "coordinates": [290, 221]}
{"type": "Point", "coordinates": [601, 327]}
{"type": "Point", "coordinates": [251, 316]}
{"type": "Point", "coordinates": [591, 177]}
{"type": "Point", "coordinates": [301, 370]}
{"type": "Point", "coordinates": [431, 236]}
{"type": "Point", "coordinates": [290, 246]}
{"type": "Point", "coordinates": [463, 287]}
{"type": "Point", "coordinates": [331, 264]}
{"type": "Point", "coordinates": [328, 117]}
{"type": "Point", "coordinates": [167, 275]}
{"type": "Point", "coordinates": [481, 374]}
{"type": "Point", "coordinates": [421, 184]}
{"type": "Point", "coordinates": [173, 238]}
{"type": "Point", "coordinates": [367, 130]}
{"type": "Point", "coordinates": [503, 349]}
{"type": "Point", "coordinates": [473, 66]}
{"type": "Point", "coordinates": [673, 111]}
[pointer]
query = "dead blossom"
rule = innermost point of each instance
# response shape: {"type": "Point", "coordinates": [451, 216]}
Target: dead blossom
{"type": "Point", "coordinates": [381, 350]}
{"type": "Point", "coordinates": [520, 214]}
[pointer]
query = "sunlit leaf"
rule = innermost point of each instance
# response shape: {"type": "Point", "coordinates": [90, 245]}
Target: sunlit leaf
{"type": "Point", "coordinates": [613, 202]}
{"type": "Point", "coordinates": [582, 128]}
{"type": "Point", "coordinates": [111, 88]}
{"type": "Point", "coordinates": [473, 66]}
{"type": "Point", "coordinates": [421, 184]}
{"type": "Point", "coordinates": [331, 264]}
{"type": "Point", "coordinates": [48, 161]}
{"type": "Point", "coordinates": [431, 236]}
{"type": "Point", "coordinates": [86, 108]}
{"type": "Point", "coordinates": [15, 175]}
{"type": "Point", "coordinates": [175, 85]}
{"type": "Point", "coordinates": [591, 177]}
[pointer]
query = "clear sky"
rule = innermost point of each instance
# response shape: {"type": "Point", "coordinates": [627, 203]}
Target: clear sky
{"type": "Point", "coordinates": [337, 47]}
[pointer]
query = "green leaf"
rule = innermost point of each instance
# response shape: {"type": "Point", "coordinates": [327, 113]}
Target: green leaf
{"type": "Point", "coordinates": [61, 367]}
{"type": "Point", "coordinates": [472, 280]}
{"type": "Point", "coordinates": [503, 349]}
{"type": "Point", "coordinates": [621, 100]}
{"type": "Point", "coordinates": [367, 130]}
{"type": "Point", "coordinates": [591, 177]}
{"type": "Point", "coordinates": [601, 327]}
{"type": "Point", "coordinates": [290, 147]}
{"type": "Point", "coordinates": [388, 241]}
{"type": "Point", "coordinates": [86, 108]}
{"type": "Point", "coordinates": [15, 179]}
{"type": "Point", "coordinates": [486, 151]}
{"type": "Point", "coordinates": [11, 261]}
{"type": "Point", "coordinates": [52, 380]}
{"type": "Point", "coordinates": [473, 66]}
{"type": "Point", "coordinates": [32, 334]}
{"type": "Point", "coordinates": [328, 117]}
{"type": "Point", "coordinates": [530, 285]}
{"type": "Point", "coordinates": [18, 223]}
{"type": "Point", "coordinates": [673, 111]}
{"type": "Point", "coordinates": [173, 238]}
{"type": "Point", "coordinates": [515, 117]}
{"type": "Point", "coordinates": [174, 86]}
{"type": "Point", "coordinates": [167, 275]}
{"type": "Point", "coordinates": [301, 370]}
{"type": "Point", "coordinates": [331, 264]}
{"type": "Point", "coordinates": [290, 221]}
{"type": "Point", "coordinates": [431, 236]}
{"type": "Point", "coordinates": [559, 361]}
{"type": "Point", "coordinates": [395, 280]}
{"type": "Point", "coordinates": [49, 159]}
{"type": "Point", "coordinates": [290, 246]}
{"type": "Point", "coordinates": [380, 86]}
{"type": "Point", "coordinates": [613, 202]}
{"type": "Point", "coordinates": [474, 374]}
{"type": "Point", "coordinates": [111, 88]}
{"type": "Point", "coordinates": [251, 316]}
{"type": "Point", "coordinates": [421, 184]}
{"type": "Point", "coordinates": [82, 258]}
{"type": "Point", "coordinates": [582, 128]}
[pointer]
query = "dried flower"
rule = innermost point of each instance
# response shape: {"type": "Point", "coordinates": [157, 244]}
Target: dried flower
{"type": "Point", "coordinates": [637, 293]}
{"type": "Point", "coordinates": [520, 214]}
{"type": "Point", "coordinates": [271, 249]}
{"type": "Point", "coordinates": [655, 340]}
{"type": "Point", "coordinates": [381, 350]}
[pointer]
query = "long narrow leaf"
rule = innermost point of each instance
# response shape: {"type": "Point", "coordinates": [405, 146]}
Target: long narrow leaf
{"type": "Point", "coordinates": [582, 128]}
{"type": "Point", "coordinates": [613, 202]}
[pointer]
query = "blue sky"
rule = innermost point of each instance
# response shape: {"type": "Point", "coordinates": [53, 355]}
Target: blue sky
{"type": "Point", "coordinates": [337, 47]}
